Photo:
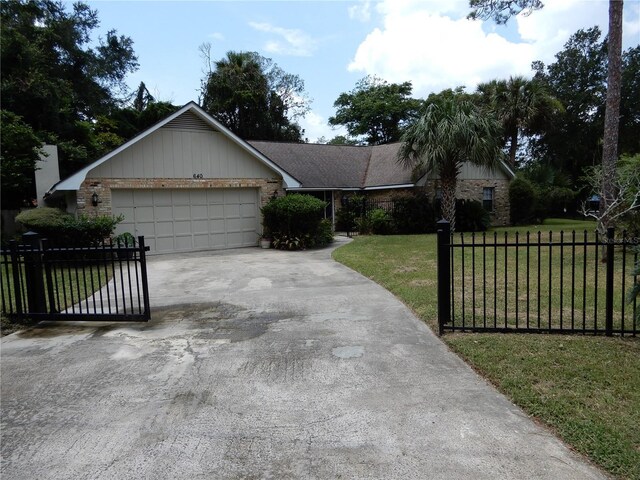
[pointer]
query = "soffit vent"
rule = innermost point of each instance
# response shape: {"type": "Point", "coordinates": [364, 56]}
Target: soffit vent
{"type": "Point", "coordinates": [188, 121]}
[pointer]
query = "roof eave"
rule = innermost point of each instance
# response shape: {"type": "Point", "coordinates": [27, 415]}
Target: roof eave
{"type": "Point", "coordinates": [74, 181]}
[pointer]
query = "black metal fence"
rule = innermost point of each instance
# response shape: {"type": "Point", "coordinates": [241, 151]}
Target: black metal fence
{"type": "Point", "coordinates": [362, 206]}
{"type": "Point", "coordinates": [108, 282]}
{"type": "Point", "coordinates": [554, 283]}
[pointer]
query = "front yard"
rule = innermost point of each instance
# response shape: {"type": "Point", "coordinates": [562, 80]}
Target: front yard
{"type": "Point", "coordinates": [585, 388]}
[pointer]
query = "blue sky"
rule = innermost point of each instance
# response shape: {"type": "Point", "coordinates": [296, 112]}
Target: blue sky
{"type": "Point", "coordinates": [332, 44]}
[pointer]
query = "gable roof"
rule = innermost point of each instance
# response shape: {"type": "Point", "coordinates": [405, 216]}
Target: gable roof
{"type": "Point", "coordinates": [323, 167]}
{"type": "Point", "coordinates": [74, 181]}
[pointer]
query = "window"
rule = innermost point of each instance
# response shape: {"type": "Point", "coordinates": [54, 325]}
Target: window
{"type": "Point", "coordinates": [487, 198]}
{"type": "Point", "coordinates": [438, 193]}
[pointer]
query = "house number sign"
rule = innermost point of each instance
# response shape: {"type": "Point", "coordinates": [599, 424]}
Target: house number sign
{"type": "Point", "coordinates": [198, 175]}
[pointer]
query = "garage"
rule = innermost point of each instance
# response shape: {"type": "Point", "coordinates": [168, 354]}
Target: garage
{"type": "Point", "coordinates": [182, 220]}
{"type": "Point", "coordinates": [187, 184]}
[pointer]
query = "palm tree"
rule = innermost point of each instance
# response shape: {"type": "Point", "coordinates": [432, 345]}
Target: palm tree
{"type": "Point", "coordinates": [519, 104]}
{"type": "Point", "coordinates": [451, 131]}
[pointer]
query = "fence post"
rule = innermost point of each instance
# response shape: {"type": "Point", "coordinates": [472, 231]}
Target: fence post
{"type": "Point", "coordinates": [33, 270]}
{"type": "Point", "coordinates": [444, 274]}
{"type": "Point", "coordinates": [15, 268]}
{"type": "Point", "coordinates": [143, 273]}
{"type": "Point", "coordinates": [609, 279]}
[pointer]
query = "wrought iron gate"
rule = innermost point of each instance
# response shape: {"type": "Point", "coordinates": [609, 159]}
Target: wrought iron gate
{"type": "Point", "coordinates": [103, 283]}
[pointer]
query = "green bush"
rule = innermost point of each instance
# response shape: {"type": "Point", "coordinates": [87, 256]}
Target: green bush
{"type": "Point", "coordinates": [65, 230]}
{"type": "Point", "coordinates": [522, 200]}
{"type": "Point", "coordinates": [295, 221]}
{"type": "Point", "coordinates": [414, 214]}
{"type": "Point", "coordinates": [471, 216]}
{"type": "Point", "coordinates": [42, 219]}
{"type": "Point", "coordinates": [351, 210]}
{"type": "Point", "coordinates": [380, 222]}
{"type": "Point", "coordinates": [324, 234]}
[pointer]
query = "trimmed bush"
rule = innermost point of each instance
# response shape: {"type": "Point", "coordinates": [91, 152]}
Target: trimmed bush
{"type": "Point", "coordinates": [65, 230]}
{"type": "Point", "coordinates": [522, 200]}
{"type": "Point", "coordinates": [295, 222]}
{"type": "Point", "coordinates": [471, 216]}
{"type": "Point", "coordinates": [414, 214]}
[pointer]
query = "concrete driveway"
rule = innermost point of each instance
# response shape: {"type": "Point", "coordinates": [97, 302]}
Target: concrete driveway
{"type": "Point", "coordinates": [261, 364]}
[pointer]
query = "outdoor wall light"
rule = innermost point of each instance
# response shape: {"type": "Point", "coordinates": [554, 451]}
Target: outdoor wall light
{"type": "Point", "coordinates": [95, 199]}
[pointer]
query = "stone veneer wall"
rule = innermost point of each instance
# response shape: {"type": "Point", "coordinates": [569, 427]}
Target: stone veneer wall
{"type": "Point", "coordinates": [103, 187]}
{"type": "Point", "coordinates": [472, 190]}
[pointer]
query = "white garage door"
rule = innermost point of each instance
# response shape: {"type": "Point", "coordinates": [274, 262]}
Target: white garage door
{"type": "Point", "coordinates": [182, 220]}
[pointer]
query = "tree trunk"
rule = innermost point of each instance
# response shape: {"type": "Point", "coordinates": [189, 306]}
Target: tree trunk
{"type": "Point", "coordinates": [513, 148]}
{"type": "Point", "coordinates": [612, 108]}
{"type": "Point", "coordinates": [449, 200]}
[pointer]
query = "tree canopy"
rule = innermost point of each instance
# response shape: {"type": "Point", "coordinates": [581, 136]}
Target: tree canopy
{"type": "Point", "coordinates": [572, 140]}
{"type": "Point", "coordinates": [255, 98]}
{"type": "Point", "coordinates": [521, 105]}
{"type": "Point", "coordinates": [452, 130]}
{"type": "Point", "coordinates": [376, 110]}
{"type": "Point", "coordinates": [55, 83]}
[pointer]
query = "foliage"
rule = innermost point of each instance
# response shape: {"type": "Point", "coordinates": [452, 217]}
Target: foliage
{"type": "Point", "coordinates": [522, 201]}
{"type": "Point", "coordinates": [352, 208]}
{"type": "Point", "coordinates": [471, 216]}
{"type": "Point", "coordinates": [381, 221]}
{"type": "Point", "coordinates": [414, 214]}
{"type": "Point", "coordinates": [324, 234]}
{"type": "Point", "coordinates": [521, 106]}
{"type": "Point", "coordinates": [125, 239]}
{"type": "Point", "coordinates": [254, 98]}
{"type": "Point", "coordinates": [376, 110]}
{"type": "Point", "coordinates": [572, 140]}
{"type": "Point", "coordinates": [451, 131]}
{"type": "Point", "coordinates": [18, 156]}
{"type": "Point", "coordinates": [63, 229]}
{"type": "Point", "coordinates": [624, 207]}
{"type": "Point", "coordinates": [341, 140]}
{"type": "Point", "coordinates": [295, 221]}
{"type": "Point", "coordinates": [501, 10]}
{"type": "Point", "coordinates": [42, 219]}
{"type": "Point", "coordinates": [56, 78]}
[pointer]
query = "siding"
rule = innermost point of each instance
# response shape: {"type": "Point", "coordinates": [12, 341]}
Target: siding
{"type": "Point", "coordinates": [172, 152]}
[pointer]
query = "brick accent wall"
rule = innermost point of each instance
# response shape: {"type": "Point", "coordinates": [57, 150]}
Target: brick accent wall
{"type": "Point", "coordinates": [104, 186]}
{"type": "Point", "coordinates": [472, 190]}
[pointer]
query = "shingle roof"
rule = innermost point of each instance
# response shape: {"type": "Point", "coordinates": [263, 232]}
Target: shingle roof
{"type": "Point", "coordinates": [337, 166]}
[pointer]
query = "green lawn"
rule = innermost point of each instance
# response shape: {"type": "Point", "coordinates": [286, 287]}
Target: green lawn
{"type": "Point", "coordinates": [585, 388]}
{"type": "Point", "coordinates": [71, 286]}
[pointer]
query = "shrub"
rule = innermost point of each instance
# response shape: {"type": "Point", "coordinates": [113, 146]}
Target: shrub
{"type": "Point", "coordinates": [324, 235]}
{"type": "Point", "coordinates": [471, 216]}
{"type": "Point", "coordinates": [350, 211]}
{"type": "Point", "coordinates": [295, 221]}
{"type": "Point", "coordinates": [414, 214]}
{"type": "Point", "coordinates": [363, 225]}
{"type": "Point", "coordinates": [42, 220]}
{"type": "Point", "coordinates": [63, 229]}
{"type": "Point", "coordinates": [522, 200]}
{"type": "Point", "coordinates": [380, 221]}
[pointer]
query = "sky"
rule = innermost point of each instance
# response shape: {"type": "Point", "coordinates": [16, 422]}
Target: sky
{"type": "Point", "coordinates": [333, 44]}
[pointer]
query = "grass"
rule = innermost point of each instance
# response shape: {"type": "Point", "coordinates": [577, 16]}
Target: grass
{"type": "Point", "coordinates": [71, 285]}
{"type": "Point", "coordinates": [585, 388]}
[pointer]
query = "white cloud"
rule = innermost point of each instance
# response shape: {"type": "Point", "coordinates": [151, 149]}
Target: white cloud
{"type": "Point", "coordinates": [292, 42]}
{"type": "Point", "coordinates": [216, 36]}
{"type": "Point", "coordinates": [316, 126]}
{"type": "Point", "coordinates": [436, 47]}
{"type": "Point", "coordinates": [361, 11]}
